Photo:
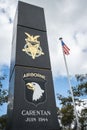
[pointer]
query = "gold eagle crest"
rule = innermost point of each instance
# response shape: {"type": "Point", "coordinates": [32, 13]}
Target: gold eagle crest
{"type": "Point", "coordinates": [32, 46]}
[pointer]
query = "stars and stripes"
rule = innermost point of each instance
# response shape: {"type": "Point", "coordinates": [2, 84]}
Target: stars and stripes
{"type": "Point", "coordinates": [65, 48]}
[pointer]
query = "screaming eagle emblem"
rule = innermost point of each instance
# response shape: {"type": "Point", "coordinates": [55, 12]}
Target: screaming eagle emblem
{"type": "Point", "coordinates": [37, 91]}
{"type": "Point", "coordinates": [35, 88]}
{"type": "Point", "coordinates": [32, 46]}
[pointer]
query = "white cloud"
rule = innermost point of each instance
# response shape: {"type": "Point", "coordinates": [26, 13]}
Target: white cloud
{"type": "Point", "coordinates": [82, 106]}
{"type": "Point", "coordinates": [6, 16]}
{"type": "Point", "coordinates": [63, 18]}
{"type": "Point", "coordinates": [5, 44]}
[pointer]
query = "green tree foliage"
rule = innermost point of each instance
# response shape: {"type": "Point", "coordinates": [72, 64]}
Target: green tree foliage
{"type": "Point", "coordinates": [67, 115]}
{"type": "Point", "coordinates": [83, 118]}
{"type": "Point", "coordinates": [3, 99]}
{"type": "Point", "coordinates": [3, 92]}
{"type": "Point", "coordinates": [3, 121]}
{"type": "Point", "coordinates": [66, 102]}
{"type": "Point", "coordinates": [82, 87]}
{"type": "Point", "coordinates": [81, 77]}
{"type": "Point", "coordinates": [67, 111]}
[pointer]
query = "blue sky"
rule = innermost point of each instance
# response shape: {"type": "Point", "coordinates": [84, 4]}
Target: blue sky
{"type": "Point", "coordinates": [62, 86]}
{"type": "Point", "coordinates": [4, 71]}
{"type": "Point", "coordinates": [66, 18]}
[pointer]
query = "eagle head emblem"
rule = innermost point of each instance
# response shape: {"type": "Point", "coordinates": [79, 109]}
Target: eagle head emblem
{"type": "Point", "coordinates": [37, 91]}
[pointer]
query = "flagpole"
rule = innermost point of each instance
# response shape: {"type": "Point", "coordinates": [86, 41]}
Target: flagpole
{"type": "Point", "coordinates": [68, 76]}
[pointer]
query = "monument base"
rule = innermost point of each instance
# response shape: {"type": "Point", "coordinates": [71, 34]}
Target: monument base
{"type": "Point", "coordinates": [31, 100]}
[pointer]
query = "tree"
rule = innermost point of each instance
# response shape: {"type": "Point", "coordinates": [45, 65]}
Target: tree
{"type": "Point", "coordinates": [3, 99]}
{"type": "Point", "coordinates": [78, 91]}
{"type": "Point", "coordinates": [3, 92]}
{"type": "Point", "coordinates": [82, 87]}
{"type": "Point", "coordinates": [3, 121]}
{"type": "Point", "coordinates": [83, 118]}
{"type": "Point", "coordinates": [67, 115]}
{"type": "Point", "coordinates": [67, 111]}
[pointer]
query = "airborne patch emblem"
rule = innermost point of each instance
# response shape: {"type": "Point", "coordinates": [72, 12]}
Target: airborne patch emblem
{"type": "Point", "coordinates": [35, 91]}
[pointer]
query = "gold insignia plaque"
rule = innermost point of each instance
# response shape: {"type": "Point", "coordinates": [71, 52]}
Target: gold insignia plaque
{"type": "Point", "coordinates": [32, 46]}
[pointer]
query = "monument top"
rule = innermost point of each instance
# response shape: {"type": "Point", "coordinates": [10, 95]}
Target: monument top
{"type": "Point", "coordinates": [30, 16]}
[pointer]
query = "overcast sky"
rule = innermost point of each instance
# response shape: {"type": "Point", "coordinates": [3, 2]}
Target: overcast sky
{"type": "Point", "coordinates": [66, 18]}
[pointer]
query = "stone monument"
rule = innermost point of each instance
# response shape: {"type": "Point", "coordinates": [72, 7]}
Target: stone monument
{"type": "Point", "coordinates": [31, 94]}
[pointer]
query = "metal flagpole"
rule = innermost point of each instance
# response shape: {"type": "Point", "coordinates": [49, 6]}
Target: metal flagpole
{"type": "Point", "coordinates": [70, 87]}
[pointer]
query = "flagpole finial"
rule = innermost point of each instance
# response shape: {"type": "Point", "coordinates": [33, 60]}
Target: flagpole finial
{"type": "Point", "coordinates": [60, 38]}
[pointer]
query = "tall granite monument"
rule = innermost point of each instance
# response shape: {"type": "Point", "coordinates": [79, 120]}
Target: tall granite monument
{"type": "Point", "coordinates": [31, 95]}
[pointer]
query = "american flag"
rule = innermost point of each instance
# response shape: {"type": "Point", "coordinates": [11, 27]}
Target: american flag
{"type": "Point", "coordinates": [65, 48]}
